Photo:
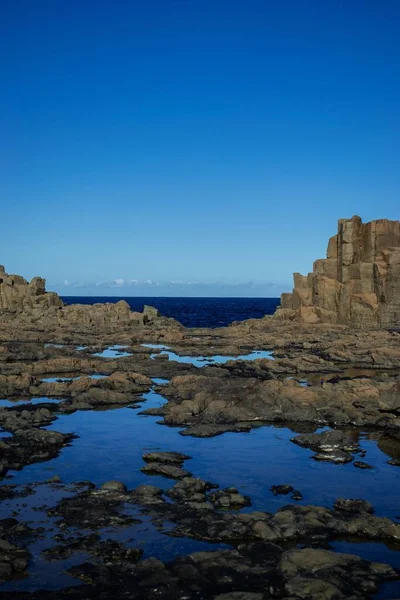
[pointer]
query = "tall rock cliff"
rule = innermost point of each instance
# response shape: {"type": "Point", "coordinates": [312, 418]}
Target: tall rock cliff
{"type": "Point", "coordinates": [357, 284]}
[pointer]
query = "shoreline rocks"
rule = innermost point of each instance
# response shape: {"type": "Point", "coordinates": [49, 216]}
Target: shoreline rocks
{"type": "Point", "coordinates": [320, 374]}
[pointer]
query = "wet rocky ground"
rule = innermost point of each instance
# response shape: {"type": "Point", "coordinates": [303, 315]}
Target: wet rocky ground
{"type": "Point", "coordinates": [256, 461]}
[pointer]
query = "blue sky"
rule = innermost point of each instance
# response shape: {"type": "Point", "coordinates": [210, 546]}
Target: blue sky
{"type": "Point", "coordinates": [213, 143]}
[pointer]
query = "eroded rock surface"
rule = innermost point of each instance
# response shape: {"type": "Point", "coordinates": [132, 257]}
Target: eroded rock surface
{"type": "Point", "coordinates": [209, 405]}
{"type": "Point", "coordinates": [29, 304]}
{"type": "Point", "coordinates": [358, 284]}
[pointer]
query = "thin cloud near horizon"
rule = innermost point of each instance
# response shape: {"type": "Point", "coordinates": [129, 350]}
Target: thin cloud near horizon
{"type": "Point", "coordinates": [125, 287]}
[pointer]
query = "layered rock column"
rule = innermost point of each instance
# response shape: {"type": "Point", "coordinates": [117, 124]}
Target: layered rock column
{"type": "Point", "coordinates": [357, 284]}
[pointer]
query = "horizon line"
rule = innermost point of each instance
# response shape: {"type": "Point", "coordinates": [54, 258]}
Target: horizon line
{"type": "Point", "coordinates": [203, 297]}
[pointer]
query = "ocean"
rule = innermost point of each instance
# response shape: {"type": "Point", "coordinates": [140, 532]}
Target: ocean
{"type": "Point", "coordinates": [194, 312]}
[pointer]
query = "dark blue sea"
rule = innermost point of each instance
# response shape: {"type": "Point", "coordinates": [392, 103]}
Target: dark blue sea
{"type": "Point", "coordinates": [194, 312]}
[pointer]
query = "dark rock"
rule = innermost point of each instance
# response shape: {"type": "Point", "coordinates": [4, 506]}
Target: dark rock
{"type": "Point", "coordinates": [297, 495]}
{"type": "Point", "coordinates": [353, 506]}
{"type": "Point", "coordinates": [281, 489]}
{"type": "Point", "coordinates": [336, 456]}
{"type": "Point", "coordinates": [166, 470]}
{"type": "Point", "coordinates": [361, 465]}
{"type": "Point", "coordinates": [166, 457]}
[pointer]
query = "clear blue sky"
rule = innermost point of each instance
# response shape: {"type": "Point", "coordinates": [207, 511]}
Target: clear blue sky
{"type": "Point", "coordinates": [193, 140]}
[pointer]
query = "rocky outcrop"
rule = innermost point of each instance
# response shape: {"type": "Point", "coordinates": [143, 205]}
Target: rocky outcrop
{"type": "Point", "coordinates": [358, 284]}
{"type": "Point", "coordinates": [30, 304]}
{"type": "Point", "coordinates": [18, 296]}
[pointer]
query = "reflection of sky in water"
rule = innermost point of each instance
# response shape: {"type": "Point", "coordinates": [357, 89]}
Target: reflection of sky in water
{"type": "Point", "coordinates": [54, 345]}
{"type": "Point", "coordinates": [28, 402]}
{"type": "Point", "coordinates": [115, 351]}
{"type": "Point", "coordinates": [51, 575]}
{"type": "Point", "coordinates": [160, 346]}
{"type": "Point", "coordinates": [56, 379]}
{"type": "Point", "coordinates": [301, 382]}
{"type": "Point", "coordinates": [111, 445]}
{"type": "Point", "coordinates": [112, 442]}
{"type": "Point", "coordinates": [203, 361]}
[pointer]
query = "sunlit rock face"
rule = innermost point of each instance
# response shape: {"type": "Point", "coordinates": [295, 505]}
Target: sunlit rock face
{"type": "Point", "coordinates": [357, 284]}
{"type": "Point", "coordinates": [28, 304]}
{"type": "Point", "coordinates": [19, 296]}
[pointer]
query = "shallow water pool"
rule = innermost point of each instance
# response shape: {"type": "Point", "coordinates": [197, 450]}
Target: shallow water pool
{"type": "Point", "coordinates": [110, 446]}
{"type": "Point", "coordinates": [204, 361]}
{"type": "Point", "coordinates": [115, 351]}
{"type": "Point", "coordinates": [28, 401]}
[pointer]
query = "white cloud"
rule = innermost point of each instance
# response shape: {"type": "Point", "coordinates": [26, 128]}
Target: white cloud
{"type": "Point", "coordinates": [119, 282]}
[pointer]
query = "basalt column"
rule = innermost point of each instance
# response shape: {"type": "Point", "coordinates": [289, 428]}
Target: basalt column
{"type": "Point", "coordinates": [357, 284]}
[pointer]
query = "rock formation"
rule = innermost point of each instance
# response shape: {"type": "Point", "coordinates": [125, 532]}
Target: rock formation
{"type": "Point", "coordinates": [30, 304]}
{"type": "Point", "coordinates": [18, 296]}
{"type": "Point", "coordinates": [358, 284]}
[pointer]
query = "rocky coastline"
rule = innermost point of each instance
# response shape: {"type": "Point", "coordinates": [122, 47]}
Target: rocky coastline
{"type": "Point", "coordinates": [324, 378]}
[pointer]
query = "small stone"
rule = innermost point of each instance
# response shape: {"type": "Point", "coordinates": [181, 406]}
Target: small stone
{"type": "Point", "coordinates": [166, 470]}
{"type": "Point", "coordinates": [337, 456]}
{"type": "Point", "coordinates": [166, 457]}
{"type": "Point", "coordinates": [54, 479]}
{"type": "Point", "coordinates": [361, 465]}
{"type": "Point", "coordinates": [113, 486]}
{"type": "Point", "coordinates": [297, 495]}
{"type": "Point", "coordinates": [281, 489]}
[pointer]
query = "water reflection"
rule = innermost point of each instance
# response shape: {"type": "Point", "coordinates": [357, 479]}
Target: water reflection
{"type": "Point", "coordinates": [115, 351]}
{"type": "Point", "coordinates": [28, 401]}
{"type": "Point", "coordinates": [204, 361]}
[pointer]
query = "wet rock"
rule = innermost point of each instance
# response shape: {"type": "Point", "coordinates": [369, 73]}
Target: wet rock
{"type": "Point", "coordinates": [147, 495]}
{"type": "Point", "coordinates": [205, 430]}
{"type": "Point", "coordinates": [190, 488]}
{"type": "Point", "coordinates": [29, 445]}
{"type": "Point", "coordinates": [110, 551]}
{"type": "Point", "coordinates": [113, 486]}
{"type": "Point", "coordinates": [13, 560]}
{"type": "Point", "coordinates": [166, 457]}
{"type": "Point", "coordinates": [353, 506]}
{"type": "Point", "coordinates": [361, 465]}
{"type": "Point", "coordinates": [297, 495]}
{"type": "Point", "coordinates": [281, 489]}
{"type": "Point", "coordinates": [290, 523]}
{"type": "Point", "coordinates": [314, 574]}
{"type": "Point", "coordinates": [332, 446]}
{"type": "Point", "coordinates": [95, 508]}
{"type": "Point", "coordinates": [7, 492]}
{"type": "Point", "coordinates": [335, 456]}
{"type": "Point", "coordinates": [166, 470]}
{"type": "Point", "coordinates": [210, 405]}
{"type": "Point", "coordinates": [229, 498]}
{"type": "Point", "coordinates": [328, 441]}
